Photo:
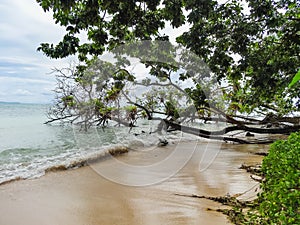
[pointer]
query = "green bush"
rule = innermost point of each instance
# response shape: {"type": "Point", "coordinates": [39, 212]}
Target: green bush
{"type": "Point", "coordinates": [280, 199]}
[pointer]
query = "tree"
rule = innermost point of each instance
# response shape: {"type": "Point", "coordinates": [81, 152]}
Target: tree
{"type": "Point", "coordinates": [250, 47]}
{"type": "Point", "coordinates": [169, 94]}
{"type": "Point", "coordinates": [253, 45]}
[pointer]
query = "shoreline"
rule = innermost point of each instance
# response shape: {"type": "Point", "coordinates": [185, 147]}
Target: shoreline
{"type": "Point", "coordinates": [82, 196]}
{"type": "Point", "coordinates": [75, 164]}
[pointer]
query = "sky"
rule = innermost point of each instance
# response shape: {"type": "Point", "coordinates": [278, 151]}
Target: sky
{"type": "Point", "coordinates": [24, 72]}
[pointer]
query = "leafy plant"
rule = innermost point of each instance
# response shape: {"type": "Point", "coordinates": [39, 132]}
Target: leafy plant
{"type": "Point", "coordinates": [280, 199]}
{"type": "Point", "coordinates": [69, 101]}
{"type": "Point", "coordinates": [295, 79]}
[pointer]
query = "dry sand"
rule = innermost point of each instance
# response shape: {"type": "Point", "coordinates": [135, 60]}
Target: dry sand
{"type": "Point", "coordinates": [83, 197]}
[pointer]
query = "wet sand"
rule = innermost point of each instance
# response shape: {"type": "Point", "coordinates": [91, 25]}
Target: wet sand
{"type": "Point", "coordinates": [83, 197]}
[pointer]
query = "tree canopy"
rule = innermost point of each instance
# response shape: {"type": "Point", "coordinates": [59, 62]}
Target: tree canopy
{"type": "Point", "coordinates": [250, 47]}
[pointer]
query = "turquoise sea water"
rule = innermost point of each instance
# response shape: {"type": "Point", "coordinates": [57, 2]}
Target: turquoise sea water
{"type": "Point", "coordinates": [28, 147]}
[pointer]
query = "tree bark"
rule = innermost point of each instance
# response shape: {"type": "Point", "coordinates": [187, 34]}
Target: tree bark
{"type": "Point", "coordinates": [219, 135]}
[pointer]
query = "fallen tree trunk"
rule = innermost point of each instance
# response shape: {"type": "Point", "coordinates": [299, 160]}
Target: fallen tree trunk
{"type": "Point", "coordinates": [285, 130]}
{"type": "Point", "coordinates": [219, 135]}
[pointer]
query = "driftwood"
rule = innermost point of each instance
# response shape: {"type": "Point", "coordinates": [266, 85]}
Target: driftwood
{"type": "Point", "coordinates": [285, 130]}
{"type": "Point", "coordinates": [220, 135]}
{"type": "Point", "coordinates": [225, 200]}
{"type": "Point", "coordinates": [253, 169]}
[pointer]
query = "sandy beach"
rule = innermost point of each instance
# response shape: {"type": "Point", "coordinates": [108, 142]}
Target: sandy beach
{"type": "Point", "coordinates": [83, 197]}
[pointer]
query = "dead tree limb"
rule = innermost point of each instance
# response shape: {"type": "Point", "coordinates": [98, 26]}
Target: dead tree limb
{"type": "Point", "coordinates": [286, 130]}
{"type": "Point", "coordinates": [219, 135]}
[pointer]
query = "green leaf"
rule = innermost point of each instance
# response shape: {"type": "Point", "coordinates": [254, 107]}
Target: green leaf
{"type": "Point", "coordinates": [295, 79]}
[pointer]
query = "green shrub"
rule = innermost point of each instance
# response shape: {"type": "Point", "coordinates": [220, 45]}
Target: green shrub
{"type": "Point", "coordinates": [280, 199]}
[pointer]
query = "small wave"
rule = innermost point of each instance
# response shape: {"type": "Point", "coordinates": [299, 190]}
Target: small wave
{"type": "Point", "coordinates": [66, 165]}
{"type": "Point", "coordinates": [114, 151]}
{"type": "Point", "coordinates": [32, 163]}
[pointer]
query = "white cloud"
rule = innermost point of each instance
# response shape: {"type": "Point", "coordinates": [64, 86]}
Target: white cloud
{"type": "Point", "coordinates": [26, 19]}
{"type": "Point", "coordinates": [22, 92]}
{"type": "Point", "coordinates": [24, 81]}
{"type": "Point", "coordinates": [2, 94]}
{"type": "Point", "coordinates": [26, 90]}
{"type": "Point", "coordinates": [23, 26]}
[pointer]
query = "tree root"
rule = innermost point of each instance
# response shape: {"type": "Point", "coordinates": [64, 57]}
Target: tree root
{"type": "Point", "coordinates": [225, 200]}
{"type": "Point", "coordinates": [253, 169]}
{"type": "Point", "coordinates": [257, 178]}
{"type": "Point", "coordinates": [236, 214]}
{"type": "Point", "coordinates": [261, 153]}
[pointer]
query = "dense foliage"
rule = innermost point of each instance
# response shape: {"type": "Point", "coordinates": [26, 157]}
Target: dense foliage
{"type": "Point", "coordinates": [280, 199]}
{"type": "Point", "coordinates": [251, 46]}
{"type": "Point", "coordinates": [281, 196]}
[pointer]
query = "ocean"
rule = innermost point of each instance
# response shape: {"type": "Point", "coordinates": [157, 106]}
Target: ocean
{"type": "Point", "coordinates": [29, 148]}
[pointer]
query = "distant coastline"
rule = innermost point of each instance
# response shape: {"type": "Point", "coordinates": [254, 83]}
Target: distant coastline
{"type": "Point", "coordinates": [24, 103]}
{"type": "Point", "coordinates": [3, 102]}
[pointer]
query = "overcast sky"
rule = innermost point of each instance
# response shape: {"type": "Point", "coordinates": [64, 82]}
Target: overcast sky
{"type": "Point", "coordinates": [24, 71]}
